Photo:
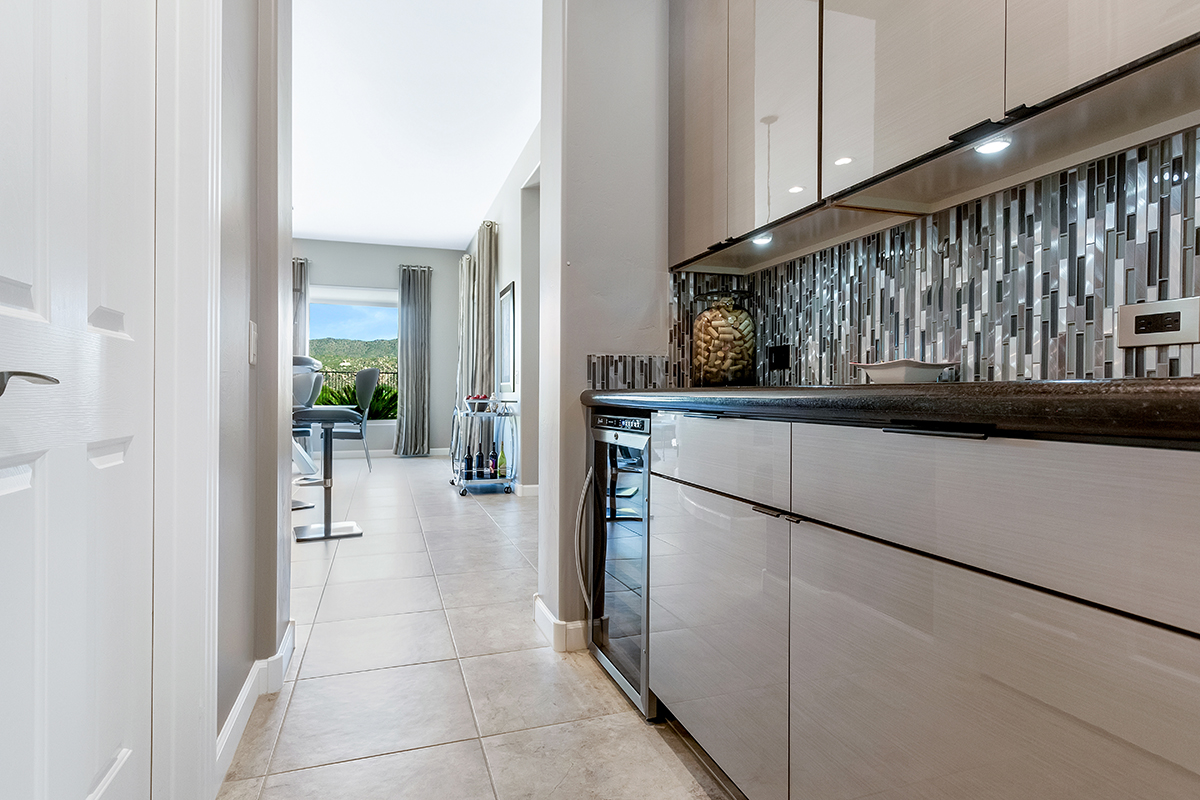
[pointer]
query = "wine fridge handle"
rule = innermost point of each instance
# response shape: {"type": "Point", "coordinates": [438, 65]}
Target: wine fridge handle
{"type": "Point", "coordinates": [587, 596]}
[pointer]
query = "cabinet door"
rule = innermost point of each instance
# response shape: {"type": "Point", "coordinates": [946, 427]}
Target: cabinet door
{"type": "Point", "coordinates": [719, 630]}
{"type": "Point", "coordinates": [746, 458]}
{"type": "Point", "coordinates": [901, 77]}
{"type": "Point", "coordinates": [914, 678]}
{"type": "Point", "coordinates": [773, 62]}
{"type": "Point", "coordinates": [698, 113]}
{"type": "Point", "coordinates": [1054, 47]}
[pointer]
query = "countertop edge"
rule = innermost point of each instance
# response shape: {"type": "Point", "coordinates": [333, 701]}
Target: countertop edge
{"type": "Point", "coordinates": [1144, 412]}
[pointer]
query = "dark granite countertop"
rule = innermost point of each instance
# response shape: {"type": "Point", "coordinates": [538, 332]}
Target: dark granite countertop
{"type": "Point", "coordinates": [1157, 413]}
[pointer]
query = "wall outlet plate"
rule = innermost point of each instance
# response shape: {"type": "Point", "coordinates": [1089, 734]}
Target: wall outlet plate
{"type": "Point", "coordinates": [779, 356]}
{"type": "Point", "coordinates": [1165, 322]}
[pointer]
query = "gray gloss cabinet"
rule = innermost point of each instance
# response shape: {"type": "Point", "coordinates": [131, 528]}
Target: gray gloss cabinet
{"type": "Point", "coordinates": [1055, 47]}
{"type": "Point", "coordinates": [719, 629]}
{"type": "Point", "coordinates": [698, 152]}
{"type": "Point", "coordinates": [743, 117]}
{"type": "Point", "coordinates": [913, 676]}
{"type": "Point", "coordinates": [901, 78]}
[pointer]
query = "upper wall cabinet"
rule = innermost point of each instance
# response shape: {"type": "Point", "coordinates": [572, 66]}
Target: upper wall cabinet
{"type": "Point", "coordinates": [902, 77]}
{"type": "Point", "coordinates": [1055, 47]}
{"type": "Point", "coordinates": [773, 69]}
{"type": "Point", "coordinates": [698, 122]}
{"type": "Point", "coordinates": [743, 117]}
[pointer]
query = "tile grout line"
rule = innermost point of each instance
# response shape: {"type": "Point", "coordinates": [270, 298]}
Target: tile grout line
{"type": "Point", "coordinates": [458, 663]}
{"type": "Point", "coordinates": [523, 527]}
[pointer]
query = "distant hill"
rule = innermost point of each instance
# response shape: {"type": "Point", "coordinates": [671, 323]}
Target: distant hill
{"type": "Point", "coordinates": [332, 351]}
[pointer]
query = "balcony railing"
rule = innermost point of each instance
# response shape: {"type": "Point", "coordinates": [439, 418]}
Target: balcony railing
{"type": "Point", "coordinates": [337, 380]}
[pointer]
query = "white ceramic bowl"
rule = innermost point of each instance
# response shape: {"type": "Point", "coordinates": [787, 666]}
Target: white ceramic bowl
{"type": "Point", "coordinates": [904, 370]}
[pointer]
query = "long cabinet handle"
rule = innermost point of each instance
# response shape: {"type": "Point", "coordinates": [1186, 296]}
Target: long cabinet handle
{"type": "Point", "coordinates": [31, 377]}
{"type": "Point", "coordinates": [770, 512]}
{"type": "Point", "coordinates": [977, 435]}
{"type": "Point", "coordinates": [698, 415]}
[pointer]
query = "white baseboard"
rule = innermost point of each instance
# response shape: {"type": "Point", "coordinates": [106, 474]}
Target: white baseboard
{"type": "Point", "coordinates": [439, 451]}
{"type": "Point", "coordinates": [527, 490]}
{"type": "Point", "coordinates": [266, 677]}
{"type": "Point", "coordinates": [563, 636]}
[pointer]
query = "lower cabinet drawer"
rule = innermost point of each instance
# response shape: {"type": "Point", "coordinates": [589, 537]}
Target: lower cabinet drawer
{"type": "Point", "coordinates": [719, 630]}
{"type": "Point", "coordinates": [1111, 525]}
{"type": "Point", "coordinates": [913, 678]}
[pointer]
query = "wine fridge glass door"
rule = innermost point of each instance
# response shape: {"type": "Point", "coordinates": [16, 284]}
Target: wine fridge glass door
{"type": "Point", "coordinates": [619, 551]}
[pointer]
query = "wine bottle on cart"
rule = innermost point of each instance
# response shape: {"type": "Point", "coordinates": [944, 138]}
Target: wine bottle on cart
{"type": "Point", "coordinates": [502, 464]}
{"type": "Point", "coordinates": [479, 466]}
{"type": "Point", "coordinates": [467, 473]}
{"type": "Point", "coordinates": [492, 462]}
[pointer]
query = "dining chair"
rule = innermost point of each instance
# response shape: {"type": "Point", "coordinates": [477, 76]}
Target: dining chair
{"type": "Point", "coordinates": [365, 382]}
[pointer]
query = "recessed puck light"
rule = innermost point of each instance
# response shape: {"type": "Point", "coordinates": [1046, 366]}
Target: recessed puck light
{"type": "Point", "coordinates": [762, 238]}
{"type": "Point", "coordinates": [796, 189]}
{"type": "Point", "coordinates": [843, 161]}
{"type": "Point", "coordinates": [993, 145]}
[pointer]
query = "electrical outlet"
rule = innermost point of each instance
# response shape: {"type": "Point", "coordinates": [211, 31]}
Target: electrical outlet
{"type": "Point", "coordinates": [1162, 323]}
{"type": "Point", "coordinates": [779, 356]}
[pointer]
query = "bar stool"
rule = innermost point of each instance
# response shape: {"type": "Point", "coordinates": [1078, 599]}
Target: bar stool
{"type": "Point", "coordinates": [326, 417]}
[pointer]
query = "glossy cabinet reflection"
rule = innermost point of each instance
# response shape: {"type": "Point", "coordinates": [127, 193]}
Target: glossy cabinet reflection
{"type": "Point", "coordinates": [719, 630]}
{"type": "Point", "coordinates": [912, 676]}
{"type": "Point", "coordinates": [773, 68]}
{"type": "Point", "coordinates": [901, 77]}
{"type": "Point", "coordinates": [1055, 47]}
{"type": "Point", "coordinates": [746, 458]}
{"type": "Point", "coordinates": [743, 117]}
{"type": "Point", "coordinates": [1111, 525]}
{"type": "Point", "coordinates": [698, 120]}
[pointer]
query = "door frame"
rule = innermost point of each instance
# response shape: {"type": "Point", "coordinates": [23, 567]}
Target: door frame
{"type": "Point", "coordinates": [186, 379]}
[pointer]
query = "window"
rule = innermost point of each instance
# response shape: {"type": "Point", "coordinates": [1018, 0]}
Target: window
{"type": "Point", "coordinates": [350, 329]}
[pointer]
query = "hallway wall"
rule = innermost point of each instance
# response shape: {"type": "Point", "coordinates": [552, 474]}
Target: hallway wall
{"type": "Point", "coordinates": [239, 381]}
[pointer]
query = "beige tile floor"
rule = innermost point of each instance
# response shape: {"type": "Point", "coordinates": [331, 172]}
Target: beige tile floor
{"type": "Point", "coordinates": [419, 672]}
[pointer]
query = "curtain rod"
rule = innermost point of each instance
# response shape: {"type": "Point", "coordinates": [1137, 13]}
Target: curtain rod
{"type": "Point", "coordinates": [415, 266]}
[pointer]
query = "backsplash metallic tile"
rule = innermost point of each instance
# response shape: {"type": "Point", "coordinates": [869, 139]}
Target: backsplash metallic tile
{"type": "Point", "coordinates": [1018, 285]}
{"type": "Point", "coordinates": [626, 372]}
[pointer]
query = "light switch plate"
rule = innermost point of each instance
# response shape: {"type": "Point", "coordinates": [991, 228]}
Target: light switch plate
{"type": "Point", "coordinates": [1162, 323]}
{"type": "Point", "coordinates": [253, 343]}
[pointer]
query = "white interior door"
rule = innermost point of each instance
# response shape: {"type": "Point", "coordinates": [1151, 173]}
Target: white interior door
{"type": "Point", "coordinates": [77, 116]}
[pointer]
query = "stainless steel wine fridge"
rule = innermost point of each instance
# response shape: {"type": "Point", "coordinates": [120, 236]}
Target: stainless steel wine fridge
{"type": "Point", "coordinates": [614, 552]}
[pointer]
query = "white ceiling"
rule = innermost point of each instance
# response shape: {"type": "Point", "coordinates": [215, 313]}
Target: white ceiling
{"type": "Point", "coordinates": [407, 115]}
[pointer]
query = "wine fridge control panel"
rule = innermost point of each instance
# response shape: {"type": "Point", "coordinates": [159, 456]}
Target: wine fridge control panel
{"type": "Point", "coordinates": [637, 424]}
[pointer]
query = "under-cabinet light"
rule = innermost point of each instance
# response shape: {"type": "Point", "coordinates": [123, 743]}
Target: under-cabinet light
{"type": "Point", "coordinates": [762, 238]}
{"type": "Point", "coordinates": [843, 161]}
{"type": "Point", "coordinates": [993, 145]}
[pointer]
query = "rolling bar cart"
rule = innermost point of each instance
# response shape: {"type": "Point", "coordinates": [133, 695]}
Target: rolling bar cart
{"type": "Point", "coordinates": [473, 430]}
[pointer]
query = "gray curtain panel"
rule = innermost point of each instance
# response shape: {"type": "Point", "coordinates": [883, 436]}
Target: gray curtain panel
{"type": "Point", "coordinates": [300, 306]}
{"type": "Point", "coordinates": [477, 317]}
{"type": "Point", "coordinates": [412, 362]}
{"type": "Point", "coordinates": [476, 324]}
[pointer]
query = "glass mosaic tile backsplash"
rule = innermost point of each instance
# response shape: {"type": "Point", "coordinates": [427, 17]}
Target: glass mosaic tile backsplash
{"type": "Point", "coordinates": [1019, 285]}
{"type": "Point", "coordinates": [626, 372]}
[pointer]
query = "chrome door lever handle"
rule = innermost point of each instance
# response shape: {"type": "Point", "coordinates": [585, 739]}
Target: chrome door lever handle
{"type": "Point", "coordinates": [31, 377]}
